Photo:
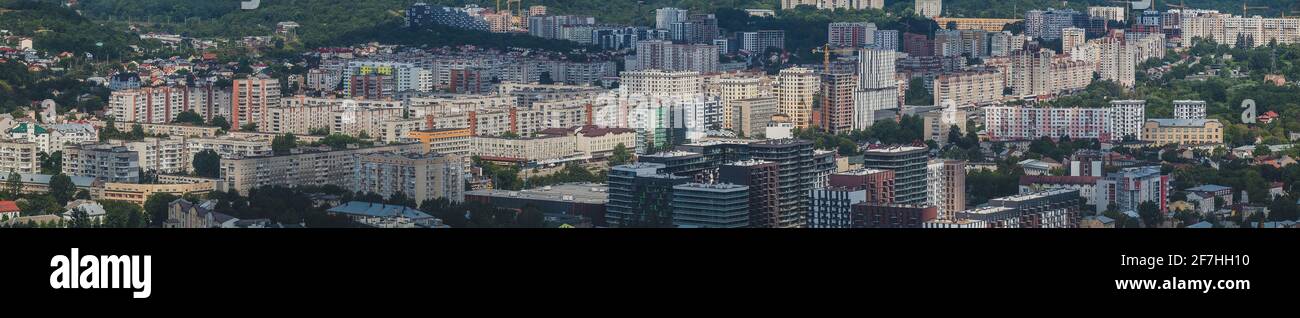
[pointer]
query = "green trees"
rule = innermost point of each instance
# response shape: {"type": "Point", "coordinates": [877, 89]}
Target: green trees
{"type": "Point", "coordinates": [51, 163]}
{"type": "Point", "coordinates": [982, 185]}
{"type": "Point", "coordinates": [282, 144]}
{"type": "Point", "coordinates": [917, 94]}
{"type": "Point", "coordinates": [207, 164]}
{"type": "Point", "coordinates": [219, 121]}
{"type": "Point", "coordinates": [13, 186]}
{"type": "Point", "coordinates": [1150, 213]}
{"type": "Point", "coordinates": [620, 155]}
{"type": "Point", "coordinates": [119, 214]}
{"type": "Point", "coordinates": [189, 117]}
{"type": "Point", "coordinates": [156, 207]}
{"type": "Point", "coordinates": [341, 141]}
{"type": "Point", "coordinates": [62, 189]}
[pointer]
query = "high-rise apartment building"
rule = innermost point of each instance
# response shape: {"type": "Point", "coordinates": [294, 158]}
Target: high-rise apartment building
{"type": "Point", "coordinates": [929, 8]}
{"type": "Point", "coordinates": [851, 34]}
{"type": "Point", "coordinates": [641, 196]}
{"type": "Point", "coordinates": [664, 55]}
{"type": "Point", "coordinates": [837, 102]}
{"type": "Point", "coordinates": [1123, 118]}
{"type": "Point", "coordinates": [700, 205]}
{"type": "Point", "coordinates": [796, 175]}
{"type": "Point", "coordinates": [946, 186]}
{"type": "Point", "coordinates": [107, 163]}
{"type": "Point", "coordinates": [250, 97]}
{"type": "Point", "coordinates": [758, 42]}
{"type": "Point", "coordinates": [795, 90]}
{"type": "Point", "coordinates": [1048, 24]}
{"type": "Point", "coordinates": [1126, 189]}
{"type": "Point", "coordinates": [763, 180]}
{"type": "Point", "coordinates": [877, 86]}
{"type": "Point", "coordinates": [417, 176]}
{"type": "Point", "coordinates": [1189, 109]}
{"type": "Point", "coordinates": [909, 166]}
{"type": "Point", "coordinates": [752, 115]}
{"type": "Point", "coordinates": [979, 87]}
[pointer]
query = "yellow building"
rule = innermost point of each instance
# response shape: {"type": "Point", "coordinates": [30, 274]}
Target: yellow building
{"type": "Point", "coordinates": [454, 141]}
{"type": "Point", "coordinates": [138, 193]}
{"type": "Point", "coordinates": [1182, 131]}
{"type": "Point", "coordinates": [991, 25]}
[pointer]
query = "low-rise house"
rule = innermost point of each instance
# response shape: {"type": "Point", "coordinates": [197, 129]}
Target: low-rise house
{"type": "Point", "coordinates": [385, 215]}
{"type": "Point", "coordinates": [184, 214]}
{"type": "Point", "coordinates": [9, 210]}
{"type": "Point", "coordinates": [94, 211]}
{"type": "Point", "coordinates": [1097, 222]}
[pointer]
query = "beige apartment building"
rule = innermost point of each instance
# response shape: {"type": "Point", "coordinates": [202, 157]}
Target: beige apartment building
{"type": "Point", "coordinates": [753, 115]}
{"type": "Point", "coordinates": [307, 166]}
{"type": "Point", "coordinates": [138, 193]}
{"type": "Point", "coordinates": [169, 129]}
{"type": "Point", "coordinates": [1182, 131]}
{"type": "Point", "coordinates": [417, 176]}
{"type": "Point", "coordinates": [969, 88]}
{"type": "Point", "coordinates": [796, 88]}
{"type": "Point", "coordinates": [19, 156]}
{"type": "Point", "coordinates": [538, 150]}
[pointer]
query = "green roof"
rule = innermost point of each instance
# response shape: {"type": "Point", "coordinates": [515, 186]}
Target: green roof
{"type": "Point", "coordinates": [22, 129]}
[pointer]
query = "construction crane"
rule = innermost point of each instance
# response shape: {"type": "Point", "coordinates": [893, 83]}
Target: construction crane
{"type": "Point", "coordinates": [826, 51]}
{"type": "Point", "coordinates": [519, 6]}
{"type": "Point", "coordinates": [1245, 8]}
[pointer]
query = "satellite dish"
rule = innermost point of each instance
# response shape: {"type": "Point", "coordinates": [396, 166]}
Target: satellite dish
{"type": "Point", "coordinates": [253, 4]}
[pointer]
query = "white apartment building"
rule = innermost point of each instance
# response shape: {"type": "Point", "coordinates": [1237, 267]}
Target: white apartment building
{"type": "Point", "coordinates": [851, 34]}
{"type": "Point", "coordinates": [1227, 29]}
{"type": "Point", "coordinates": [834, 4]}
{"type": "Point", "coordinates": [877, 86]}
{"type": "Point", "coordinates": [408, 76]}
{"type": "Point", "coordinates": [1189, 109]}
{"type": "Point", "coordinates": [160, 155]}
{"type": "Point", "coordinates": [1122, 118]}
{"type": "Point", "coordinates": [929, 8]}
{"type": "Point", "coordinates": [657, 82]}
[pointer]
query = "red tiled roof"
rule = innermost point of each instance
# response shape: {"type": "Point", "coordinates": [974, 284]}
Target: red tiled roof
{"type": "Point", "coordinates": [9, 206]}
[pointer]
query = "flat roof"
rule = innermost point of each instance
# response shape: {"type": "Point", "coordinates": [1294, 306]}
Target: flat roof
{"type": "Point", "coordinates": [862, 172]}
{"type": "Point", "coordinates": [378, 210]}
{"type": "Point", "coordinates": [1035, 195]}
{"type": "Point", "coordinates": [591, 193]}
{"type": "Point", "coordinates": [1181, 122]}
{"type": "Point", "coordinates": [894, 149]}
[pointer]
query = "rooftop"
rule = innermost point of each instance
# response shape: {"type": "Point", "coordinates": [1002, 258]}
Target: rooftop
{"type": "Point", "coordinates": [1086, 180]}
{"type": "Point", "coordinates": [748, 163]}
{"type": "Point", "coordinates": [670, 154]}
{"type": "Point", "coordinates": [1035, 195]}
{"type": "Point", "coordinates": [862, 172]}
{"type": "Point", "coordinates": [1209, 188]}
{"type": "Point", "coordinates": [80, 182]}
{"type": "Point", "coordinates": [712, 187]}
{"type": "Point", "coordinates": [895, 149]}
{"type": "Point", "coordinates": [592, 193]}
{"type": "Point", "coordinates": [1181, 122]}
{"type": "Point", "coordinates": [378, 210]}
